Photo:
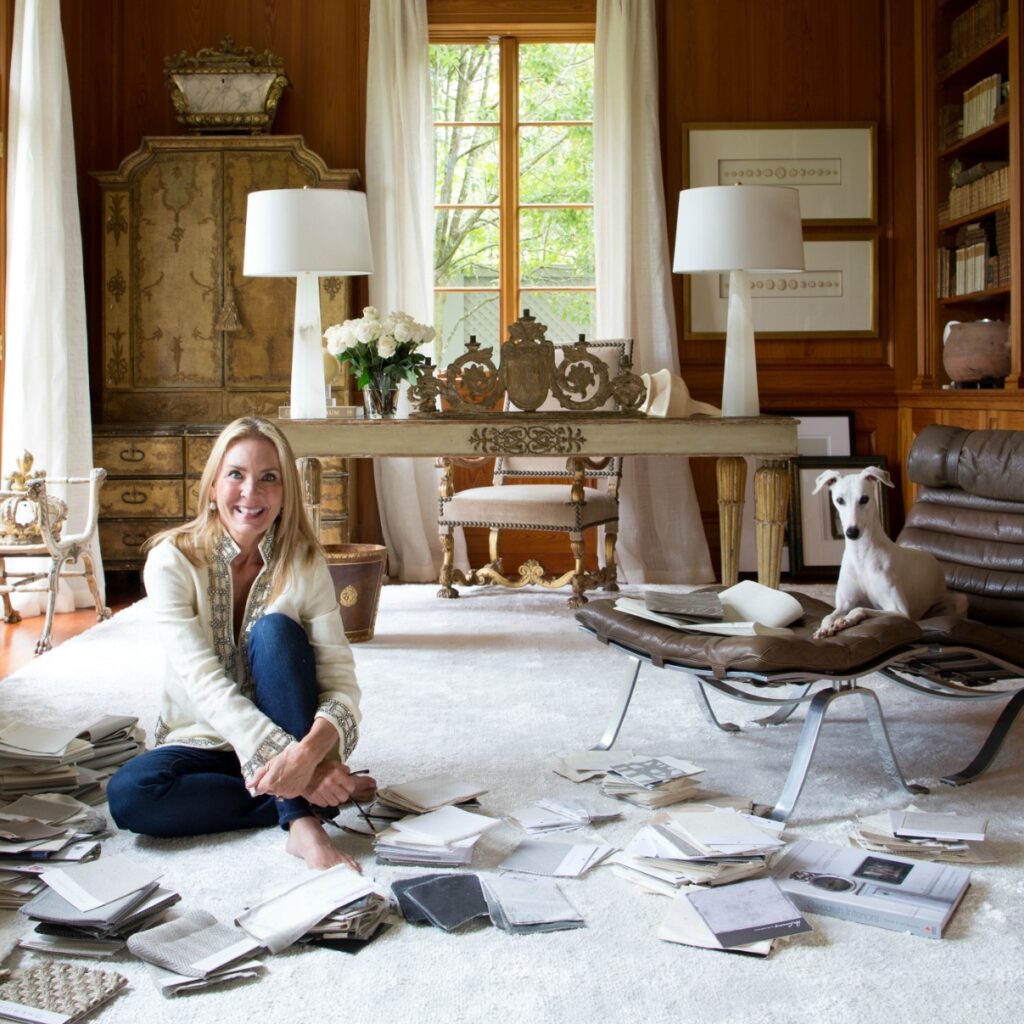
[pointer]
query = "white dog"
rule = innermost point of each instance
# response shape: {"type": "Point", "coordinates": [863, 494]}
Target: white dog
{"type": "Point", "coordinates": [877, 576]}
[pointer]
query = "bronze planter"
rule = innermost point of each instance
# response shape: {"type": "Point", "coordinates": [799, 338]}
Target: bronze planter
{"type": "Point", "coordinates": [358, 572]}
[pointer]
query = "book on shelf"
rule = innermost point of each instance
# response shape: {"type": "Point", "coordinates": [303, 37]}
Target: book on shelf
{"type": "Point", "coordinates": [885, 891]}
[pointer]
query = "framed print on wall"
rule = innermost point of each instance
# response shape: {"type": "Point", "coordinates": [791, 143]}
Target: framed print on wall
{"type": "Point", "coordinates": [816, 538]}
{"type": "Point", "coordinates": [832, 165]}
{"type": "Point", "coordinates": [835, 297]}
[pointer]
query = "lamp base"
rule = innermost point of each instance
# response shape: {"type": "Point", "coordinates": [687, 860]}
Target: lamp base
{"type": "Point", "coordinates": [308, 400]}
{"type": "Point", "coordinates": [739, 377]}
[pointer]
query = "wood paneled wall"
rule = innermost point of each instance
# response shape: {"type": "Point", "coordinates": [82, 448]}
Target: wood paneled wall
{"type": "Point", "coordinates": [805, 61]}
{"type": "Point", "coordinates": [721, 60]}
{"type": "Point", "coordinates": [115, 53]}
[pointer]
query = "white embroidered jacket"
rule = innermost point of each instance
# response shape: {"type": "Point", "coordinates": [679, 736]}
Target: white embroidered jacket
{"type": "Point", "coordinates": [207, 698]}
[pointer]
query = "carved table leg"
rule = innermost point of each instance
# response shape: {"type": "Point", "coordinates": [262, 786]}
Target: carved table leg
{"type": "Point", "coordinates": [447, 565]}
{"type": "Point", "coordinates": [771, 506]}
{"type": "Point", "coordinates": [311, 475]}
{"type": "Point", "coordinates": [578, 600]}
{"type": "Point", "coordinates": [732, 478]}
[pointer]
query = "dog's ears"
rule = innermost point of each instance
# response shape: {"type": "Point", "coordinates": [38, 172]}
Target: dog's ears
{"type": "Point", "coordinates": [825, 479]}
{"type": "Point", "coordinates": [875, 473]}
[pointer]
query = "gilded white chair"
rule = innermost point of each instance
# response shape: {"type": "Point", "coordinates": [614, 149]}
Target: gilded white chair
{"type": "Point", "coordinates": [569, 498]}
{"type": "Point", "coordinates": [31, 526]}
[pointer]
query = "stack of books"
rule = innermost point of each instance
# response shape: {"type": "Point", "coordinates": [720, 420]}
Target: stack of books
{"type": "Point", "coordinates": [923, 835]}
{"type": "Point", "coordinates": [652, 781]}
{"type": "Point", "coordinates": [553, 815]}
{"type": "Point", "coordinates": [195, 952]}
{"type": "Point", "coordinates": [980, 103]}
{"type": "Point", "coordinates": [744, 918]}
{"type": "Point", "coordinates": [91, 909]}
{"type": "Point", "coordinates": [35, 759]}
{"type": "Point", "coordinates": [706, 845]}
{"type": "Point", "coordinates": [444, 836]}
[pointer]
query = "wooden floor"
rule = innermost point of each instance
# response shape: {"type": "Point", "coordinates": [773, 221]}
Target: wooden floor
{"type": "Point", "coordinates": [18, 639]}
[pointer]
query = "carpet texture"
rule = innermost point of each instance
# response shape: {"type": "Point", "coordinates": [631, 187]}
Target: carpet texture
{"type": "Point", "coordinates": [489, 687]}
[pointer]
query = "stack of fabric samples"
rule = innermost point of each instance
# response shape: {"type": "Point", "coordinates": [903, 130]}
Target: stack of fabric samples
{"type": "Point", "coordinates": [445, 836]}
{"type": "Point", "coordinates": [196, 951]}
{"type": "Point", "coordinates": [523, 905]}
{"type": "Point", "coordinates": [38, 759]}
{"type": "Point", "coordinates": [91, 909]}
{"type": "Point", "coordinates": [418, 796]}
{"type": "Point", "coordinates": [290, 914]}
{"type": "Point", "coordinates": [550, 857]}
{"type": "Point", "coordinates": [444, 900]}
{"type": "Point", "coordinates": [48, 827]}
{"type": "Point", "coordinates": [924, 835]}
{"type": "Point", "coordinates": [352, 927]}
{"type": "Point", "coordinates": [702, 844]}
{"type": "Point", "coordinates": [652, 781]}
{"type": "Point", "coordinates": [559, 815]}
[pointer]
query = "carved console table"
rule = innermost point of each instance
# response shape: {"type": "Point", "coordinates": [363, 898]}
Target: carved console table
{"type": "Point", "coordinates": [769, 439]}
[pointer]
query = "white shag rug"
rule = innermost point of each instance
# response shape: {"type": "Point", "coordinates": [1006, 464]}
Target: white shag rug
{"type": "Point", "coordinates": [487, 688]}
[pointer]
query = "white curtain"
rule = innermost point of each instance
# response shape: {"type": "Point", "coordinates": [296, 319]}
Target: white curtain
{"type": "Point", "coordinates": [661, 539]}
{"type": "Point", "coordinates": [399, 192]}
{"type": "Point", "coordinates": [46, 382]}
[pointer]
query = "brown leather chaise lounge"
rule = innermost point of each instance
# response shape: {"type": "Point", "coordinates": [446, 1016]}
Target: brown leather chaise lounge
{"type": "Point", "coordinates": [969, 512]}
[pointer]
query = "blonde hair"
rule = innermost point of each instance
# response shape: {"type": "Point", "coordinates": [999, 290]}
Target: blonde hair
{"type": "Point", "coordinates": [294, 539]}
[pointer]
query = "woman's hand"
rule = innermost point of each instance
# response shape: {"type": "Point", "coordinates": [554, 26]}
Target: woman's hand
{"type": "Point", "coordinates": [334, 784]}
{"type": "Point", "coordinates": [287, 774]}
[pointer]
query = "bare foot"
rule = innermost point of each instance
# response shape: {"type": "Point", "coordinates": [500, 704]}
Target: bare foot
{"type": "Point", "coordinates": [308, 841]}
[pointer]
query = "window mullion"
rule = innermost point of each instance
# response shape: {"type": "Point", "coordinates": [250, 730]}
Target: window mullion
{"type": "Point", "coordinates": [509, 199]}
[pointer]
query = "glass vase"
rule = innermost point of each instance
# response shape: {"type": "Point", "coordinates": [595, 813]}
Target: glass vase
{"type": "Point", "coordinates": [380, 400]}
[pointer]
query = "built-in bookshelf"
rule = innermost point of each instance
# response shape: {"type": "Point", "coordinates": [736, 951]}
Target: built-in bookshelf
{"type": "Point", "coordinates": [969, 149]}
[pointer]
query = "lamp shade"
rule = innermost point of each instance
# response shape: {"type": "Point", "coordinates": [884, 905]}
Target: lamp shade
{"type": "Point", "coordinates": [721, 228]}
{"type": "Point", "coordinates": [292, 231]}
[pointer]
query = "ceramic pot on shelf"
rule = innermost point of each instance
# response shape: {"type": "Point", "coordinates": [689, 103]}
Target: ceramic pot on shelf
{"type": "Point", "coordinates": [976, 350]}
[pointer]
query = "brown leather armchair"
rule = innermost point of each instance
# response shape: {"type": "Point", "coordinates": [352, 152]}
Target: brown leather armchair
{"type": "Point", "coordinates": [969, 512]}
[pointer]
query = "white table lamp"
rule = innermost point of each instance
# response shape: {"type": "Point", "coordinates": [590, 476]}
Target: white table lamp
{"type": "Point", "coordinates": [307, 233]}
{"type": "Point", "coordinates": [734, 229]}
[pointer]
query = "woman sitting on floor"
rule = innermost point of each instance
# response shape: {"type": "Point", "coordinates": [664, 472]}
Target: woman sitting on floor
{"type": "Point", "coordinates": [260, 705]}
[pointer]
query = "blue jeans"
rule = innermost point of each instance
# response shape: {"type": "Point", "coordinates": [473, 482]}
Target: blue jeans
{"type": "Point", "coordinates": [188, 791]}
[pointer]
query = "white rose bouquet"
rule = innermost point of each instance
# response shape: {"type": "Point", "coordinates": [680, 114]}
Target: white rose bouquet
{"type": "Point", "coordinates": [382, 353]}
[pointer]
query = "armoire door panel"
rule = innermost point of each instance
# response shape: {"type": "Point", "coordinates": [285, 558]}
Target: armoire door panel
{"type": "Point", "coordinates": [177, 271]}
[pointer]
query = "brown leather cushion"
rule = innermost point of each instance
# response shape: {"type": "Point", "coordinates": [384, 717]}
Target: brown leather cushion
{"type": "Point", "coordinates": [851, 653]}
{"type": "Point", "coordinates": [1005, 643]}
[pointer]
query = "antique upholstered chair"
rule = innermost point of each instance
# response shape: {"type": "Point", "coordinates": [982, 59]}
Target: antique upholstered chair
{"type": "Point", "coordinates": [563, 493]}
{"type": "Point", "coordinates": [969, 513]}
{"type": "Point", "coordinates": [32, 525]}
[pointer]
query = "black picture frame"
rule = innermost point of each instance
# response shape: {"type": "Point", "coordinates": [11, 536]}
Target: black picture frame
{"type": "Point", "coordinates": [816, 546]}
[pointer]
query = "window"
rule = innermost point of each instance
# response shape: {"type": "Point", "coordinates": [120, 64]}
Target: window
{"type": "Point", "coordinates": [514, 217]}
